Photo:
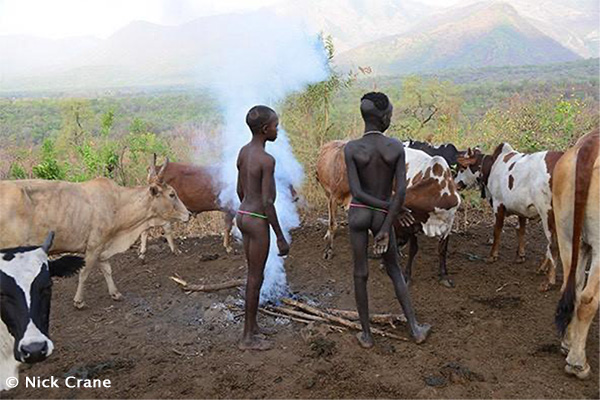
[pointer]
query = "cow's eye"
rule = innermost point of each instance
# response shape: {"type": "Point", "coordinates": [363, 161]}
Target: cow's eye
{"type": "Point", "coordinates": [172, 195]}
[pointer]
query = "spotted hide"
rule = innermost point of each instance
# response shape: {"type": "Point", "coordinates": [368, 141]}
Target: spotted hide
{"type": "Point", "coordinates": [515, 184]}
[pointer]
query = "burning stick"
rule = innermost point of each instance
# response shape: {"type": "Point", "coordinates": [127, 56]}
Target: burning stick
{"type": "Point", "coordinates": [208, 288]}
{"type": "Point", "coordinates": [339, 320]}
{"type": "Point", "coordinates": [383, 319]}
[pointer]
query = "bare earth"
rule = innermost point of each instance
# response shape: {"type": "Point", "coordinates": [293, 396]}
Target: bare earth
{"type": "Point", "coordinates": [493, 334]}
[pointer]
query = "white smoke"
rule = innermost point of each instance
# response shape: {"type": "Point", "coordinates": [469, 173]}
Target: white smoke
{"type": "Point", "coordinates": [262, 59]}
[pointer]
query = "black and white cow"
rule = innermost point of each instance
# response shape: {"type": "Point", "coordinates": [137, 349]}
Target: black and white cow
{"type": "Point", "coordinates": [447, 151]}
{"type": "Point", "coordinates": [25, 293]}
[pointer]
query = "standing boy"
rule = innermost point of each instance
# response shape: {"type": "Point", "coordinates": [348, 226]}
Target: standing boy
{"type": "Point", "coordinates": [374, 163]}
{"type": "Point", "coordinates": [256, 190]}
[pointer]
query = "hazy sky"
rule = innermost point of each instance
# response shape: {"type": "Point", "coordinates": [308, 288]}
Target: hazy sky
{"type": "Point", "coordinates": [62, 18]}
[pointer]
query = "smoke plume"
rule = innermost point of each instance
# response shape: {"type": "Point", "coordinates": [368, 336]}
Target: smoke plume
{"type": "Point", "coordinates": [264, 58]}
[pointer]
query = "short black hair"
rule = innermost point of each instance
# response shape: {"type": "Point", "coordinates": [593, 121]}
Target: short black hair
{"type": "Point", "coordinates": [259, 116]}
{"type": "Point", "coordinates": [380, 100]}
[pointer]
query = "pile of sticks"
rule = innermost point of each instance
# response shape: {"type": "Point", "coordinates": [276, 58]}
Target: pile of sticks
{"type": "Point", "coordinates": [301, 312]}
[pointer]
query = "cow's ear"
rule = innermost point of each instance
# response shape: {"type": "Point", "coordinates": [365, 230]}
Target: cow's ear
{"type": "Point", "coordinates": [154, 190]}
{"type": "Point", "coordinates": [65, 266]}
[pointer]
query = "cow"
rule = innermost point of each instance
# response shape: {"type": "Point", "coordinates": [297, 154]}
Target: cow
{"type": "Point", "coordinates": [25, 294]}
{"type": "Point", "coordinates": [576, 201]}
{"type": "Point", "coordinates": [199, 191]}
{"type": "Point", "coordinates": [447, 150]}
{"type": "Point", "coordinates": [516, 184]}
{"type": "Point", "coordinates": [97, 218]}
{"type": "Point", "coordinates": [431, 196]}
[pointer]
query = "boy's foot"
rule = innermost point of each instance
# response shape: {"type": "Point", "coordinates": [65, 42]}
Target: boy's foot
{"type": "Point", "coordinates": [255, 343]}
{"type": "Point", "coordinates": [421, 333]}
{"type": "Point", "coordinates": [366, 342]}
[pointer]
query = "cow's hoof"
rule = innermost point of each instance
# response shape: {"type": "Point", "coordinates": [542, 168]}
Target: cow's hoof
{"type": "Point", "coordinates": [491, 259]}
{"type": "Point", "coordinates": [520, 259]}
{"type": "Point", "coordinates": [229, 250]}
{"type": "Point", "coordinates": [328, 254]}
{"type": "Point", "coordinates": [581, 372]}
{"type": "Point", "coordinates": [117, 296]}
{"type": "Point", "coordinates": [446, 282]}
{"type": "Point", "coordinates": [79, 304]}
{"type": "Point", "coordinates": [177, 252]}
{"type": "Point", "coordinates": [143, 260]}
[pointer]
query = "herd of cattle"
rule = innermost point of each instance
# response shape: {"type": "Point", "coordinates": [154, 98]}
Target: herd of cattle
{"type": "Point", "coordinates": [99, 219]}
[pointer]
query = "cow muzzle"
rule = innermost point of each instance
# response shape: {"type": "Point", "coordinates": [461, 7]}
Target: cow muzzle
{"type": "Point", "coordinates": [34, 352]}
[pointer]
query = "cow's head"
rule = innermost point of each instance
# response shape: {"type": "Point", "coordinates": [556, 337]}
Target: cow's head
{"type": "Point", "coordinates": [164, 202]}
{"type": "Point", "coordinates": [469, 168]}
{"type": "Point", "coordinates": [25, 293]}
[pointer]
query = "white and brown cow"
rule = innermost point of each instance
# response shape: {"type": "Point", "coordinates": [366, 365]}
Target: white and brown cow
{"type": "Point", "coordinates": [25, 294]}
{"type": "Point", "coordinates": [97, 218]}
{"type": "Point", "coordinates": [515, 184]}
{"type": "Point", "coordinates": [576, 200]}
{"type": "Point", "coordinates": [431, 196]}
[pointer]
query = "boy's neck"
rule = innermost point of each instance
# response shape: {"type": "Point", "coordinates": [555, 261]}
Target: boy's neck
{"type": "Point", "coordinates": [258, 140]}
{"type": "Point", "coordinates": [373, 127]}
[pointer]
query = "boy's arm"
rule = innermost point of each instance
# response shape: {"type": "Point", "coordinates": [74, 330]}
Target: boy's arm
{"type": "Point", "coordinates": [354, 182]}
{"type": "Point", "coordinates": [269, 192]}
{"type": "Point", "coordinates": [383, 236]}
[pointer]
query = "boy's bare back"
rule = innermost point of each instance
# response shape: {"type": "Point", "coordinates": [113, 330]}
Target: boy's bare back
{"type": "Point", "coordinates": [255, 166]}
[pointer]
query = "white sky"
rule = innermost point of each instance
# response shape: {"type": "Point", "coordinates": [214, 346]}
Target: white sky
{"type": "Point", "coordinates": [62, 18]}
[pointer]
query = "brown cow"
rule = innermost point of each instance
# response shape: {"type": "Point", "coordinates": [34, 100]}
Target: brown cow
{"type": "Point", "coordinates": [576, 200]}
{"type": "Point", "coordinates": [431, 195]}
{"type": "Point", "coordinates": [97, 218]}
{"type": "Point", "coordinates": [198, 189]}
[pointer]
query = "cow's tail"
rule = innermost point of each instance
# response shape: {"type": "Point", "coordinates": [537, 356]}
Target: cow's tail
{"type": "Point", "coordinates": [585, 157]}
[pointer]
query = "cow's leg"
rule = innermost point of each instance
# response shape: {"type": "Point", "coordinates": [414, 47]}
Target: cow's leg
{"type": "Point", "coordinates": [442, 255]}
{"type": "Point", "coordinates": [413, 249]}
{"type": "Point", "coordinates": [548, 265]}
{"type": "Point", "coordinates": [78, 300]}
{"type": "Point", "coordinates": [586, 307]}
{"type": "Point", "coordinates": [521, 240]}
{"type": "Point", "coordinates": [143, 244]}
{"type": "Point", "coordinates": [497, 231]}
{"type": "Point", "coordinates": [228, 219]}
{"type": "Point", "coordinates": [168, 228]}
{"type": "Point", "coordinates": [112, 288]}
{"type": "Point", "coordinates": [332, 210]}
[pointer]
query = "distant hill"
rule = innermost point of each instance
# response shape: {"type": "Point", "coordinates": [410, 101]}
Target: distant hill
{"type": "Point", "coordinates": [392, 36]}
{"type": "Point", "coordinates": [482, 34]}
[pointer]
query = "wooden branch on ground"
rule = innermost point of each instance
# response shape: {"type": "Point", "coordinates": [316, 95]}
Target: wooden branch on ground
{"type": "Point", "coordinates": [208, 287]}
{"type": "Point", "coordinates": [274, 314]}
{"type": "Point", "coordinates": [374, 318]}
{"type": "Point", "coordinates": [299, 314]}
{"type": "Point", "coordinates": [338, 320]}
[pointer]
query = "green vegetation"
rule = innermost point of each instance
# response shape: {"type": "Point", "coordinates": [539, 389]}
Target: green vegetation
{"type": "Point", "coordinates": [533, 108]}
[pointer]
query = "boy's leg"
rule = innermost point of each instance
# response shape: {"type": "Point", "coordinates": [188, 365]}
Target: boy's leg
{"type": "Point", "coordinates": [359, 239]}
{"type": "Point", "coordinates": [255, 233]}
{"type": "Point", "coordinates": [390, 259]}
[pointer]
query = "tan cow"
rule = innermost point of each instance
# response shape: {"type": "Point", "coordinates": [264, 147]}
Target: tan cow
{"type": "Point", "coordinates": [431, 195]}
{"type": "Point", "coordinates": [576, 200]}
{"type": "Point", "coordinates": [97, 218]}
{"type": "Point", "coordinates": [197, 187]}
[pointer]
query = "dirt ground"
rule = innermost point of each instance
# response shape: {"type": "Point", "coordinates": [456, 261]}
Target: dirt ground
{"type": "Point", "coordinates": [493, 334]}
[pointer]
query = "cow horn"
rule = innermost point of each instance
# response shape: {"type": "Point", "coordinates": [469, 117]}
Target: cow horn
{"type": "Point", "coordinates": [161, 173]}
{"type": "Point", "coordinates": [153, 167]}
{"type": "Point", "coordinates": [48, 242]}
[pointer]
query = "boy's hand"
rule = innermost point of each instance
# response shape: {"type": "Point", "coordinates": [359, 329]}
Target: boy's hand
{"type": "Point", "coordinates": [283, 246]}
{"type": "Point", "coordinates": [405, 217]}
{"type": "Point", "coordinates": [381, 243]}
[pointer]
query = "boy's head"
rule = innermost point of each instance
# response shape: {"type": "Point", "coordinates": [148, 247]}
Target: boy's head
{"type": "Point", "coordinates": [263, 120]}
{"type": "Point", "coordinates": [376, 109]}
